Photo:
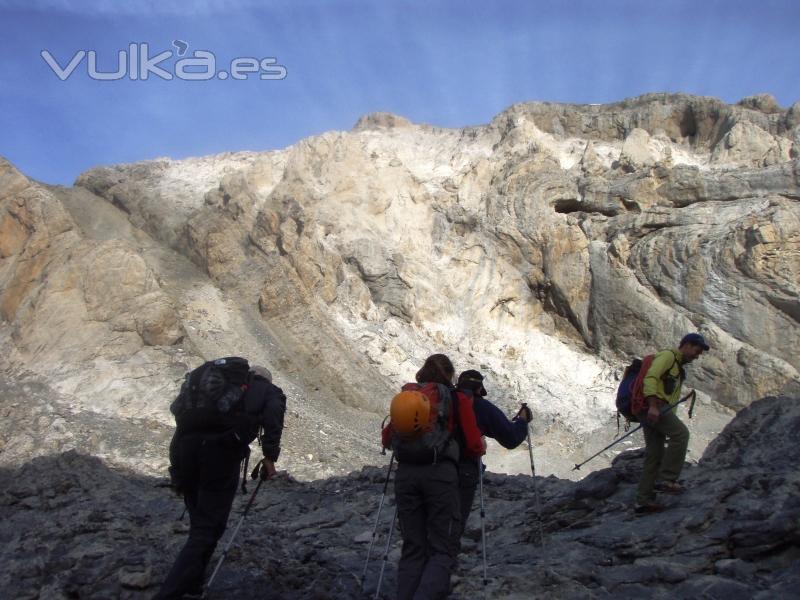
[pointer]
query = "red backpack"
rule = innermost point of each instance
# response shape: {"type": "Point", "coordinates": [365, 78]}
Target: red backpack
{"type": "Point", "coordinates": [451, 420]}
{"type": "Point", "coordinates": [638, 401]}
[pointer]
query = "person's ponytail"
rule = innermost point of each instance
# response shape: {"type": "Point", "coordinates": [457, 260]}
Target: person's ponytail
{"type": "Point", "coordinates": [437, 369]}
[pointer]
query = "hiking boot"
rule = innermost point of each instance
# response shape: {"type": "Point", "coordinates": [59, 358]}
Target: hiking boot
{"type": "Point", "coordinates": [670, 487]}
{"type": "Point", "coordinates": [646, 509]}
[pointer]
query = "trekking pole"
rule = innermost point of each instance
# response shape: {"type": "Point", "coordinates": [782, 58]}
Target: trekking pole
{"type": "Point", "coordinates": [632, 431]}
{"type": "Point", "coordinates": [691, 404]}
{"type": "Point", "coordinates": [377, 521]}
{"type": "Point", "coordinates": [483, 526]}
{"type": "Point", "coordinates": [535, 485]}
{"type": "Point", "coordinates": [230, 541]}
{"type": "Point", "coordinates": [385, 555]}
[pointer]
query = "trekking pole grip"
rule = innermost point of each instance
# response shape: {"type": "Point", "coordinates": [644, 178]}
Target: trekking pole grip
{"type": "Point", "coordinates": [255, 473]}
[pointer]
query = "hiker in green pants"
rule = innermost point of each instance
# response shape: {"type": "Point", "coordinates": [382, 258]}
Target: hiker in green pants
{"type": "Point", "coordinates": [662, 387]}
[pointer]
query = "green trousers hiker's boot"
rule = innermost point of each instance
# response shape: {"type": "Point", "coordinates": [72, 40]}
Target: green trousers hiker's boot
{"type": "Point", "coordinates": [660, 462]}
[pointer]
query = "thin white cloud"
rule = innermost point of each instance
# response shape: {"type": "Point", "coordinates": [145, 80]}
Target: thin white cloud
{"type": "Point", "coordinates": [140, 8]}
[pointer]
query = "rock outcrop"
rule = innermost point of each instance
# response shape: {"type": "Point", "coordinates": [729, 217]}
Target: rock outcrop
{"type": "Point", "coordinates": [74, 302]}
{"type": "Point", "coordinates": [100, 322]}
{"type": "Point", "coordinates": [72, 527]}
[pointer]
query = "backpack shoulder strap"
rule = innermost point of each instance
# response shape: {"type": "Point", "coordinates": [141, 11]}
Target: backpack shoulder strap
{"type": "Point", "coordinates": [681, 370]}
{"type": "Point", "coordinates": [456, 409]}
{"type": "Point", "coordinates": [666, 373]}
{"type": "Point", "coordinates": [445, 404]}
{"type": "Point", "coordinates": [458, 427]}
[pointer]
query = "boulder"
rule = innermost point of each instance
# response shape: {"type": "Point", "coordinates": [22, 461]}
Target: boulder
{"type": "Point", "coordinates": [636, 151]}
{"type": "Point", "coordinates": [746, 144]}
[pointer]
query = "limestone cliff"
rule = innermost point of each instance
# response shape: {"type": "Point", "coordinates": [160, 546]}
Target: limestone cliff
{"type": "Point", "coordinates": [544, 248]}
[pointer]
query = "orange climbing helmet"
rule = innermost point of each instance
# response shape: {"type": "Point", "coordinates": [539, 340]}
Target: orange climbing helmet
{"type": "Point", "coordinates": [410, 412]}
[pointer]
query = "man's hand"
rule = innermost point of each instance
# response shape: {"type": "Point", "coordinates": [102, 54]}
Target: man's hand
{"type": "Point", "coordinates": [267, 470]}
{"type": "Point", "coordinates": [525, 413]}
{"type": "Point", "coordinates": [654, 412]}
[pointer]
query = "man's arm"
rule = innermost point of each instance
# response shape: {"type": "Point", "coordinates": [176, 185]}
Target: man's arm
{"type": "Point", "coordinates": [175, 475]}
{"type": "Point", "coordinates": [495, 424]}
{"type": "Point", "coordinates": [272, 422]}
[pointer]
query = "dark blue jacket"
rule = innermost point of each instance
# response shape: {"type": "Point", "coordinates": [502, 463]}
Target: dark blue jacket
{"type": "Point", "coordinates": [494, 424]}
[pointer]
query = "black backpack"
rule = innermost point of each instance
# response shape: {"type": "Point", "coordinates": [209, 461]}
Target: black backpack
{"type": "Point", "coordinates": [625, 391]}
{"type": "Point", "coordinates": [210, 400]}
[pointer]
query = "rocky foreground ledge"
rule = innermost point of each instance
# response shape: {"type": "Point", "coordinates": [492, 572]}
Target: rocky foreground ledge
{"type": "Point", "coordinates": [72, 528]}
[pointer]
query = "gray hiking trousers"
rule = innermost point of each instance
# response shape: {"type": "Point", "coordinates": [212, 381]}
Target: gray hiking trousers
{"type": "Point", "coordinates": [430, 522]}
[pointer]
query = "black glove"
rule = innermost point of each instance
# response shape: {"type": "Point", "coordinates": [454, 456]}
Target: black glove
{"type": "Point", "coordinates": [525, 413]}
{"type": "Point", "coordinates": [265, 469]}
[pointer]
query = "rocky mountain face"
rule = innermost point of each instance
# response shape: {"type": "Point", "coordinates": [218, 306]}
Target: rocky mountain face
{"type": "Point", "coordinates": [71, 527]}
{"type": "Point", "coordinates": [544, 248]}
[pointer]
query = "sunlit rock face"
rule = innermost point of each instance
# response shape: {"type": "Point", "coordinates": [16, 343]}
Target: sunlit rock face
{"type": "Point", "coordinates": [545, 249]}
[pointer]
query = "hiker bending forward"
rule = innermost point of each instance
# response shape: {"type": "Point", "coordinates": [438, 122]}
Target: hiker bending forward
{"type": "Point", "coordinates": [492, 423]}
{"type": "Point", "coordinates": [426, 482]}
{"type": "Point", "coordinates": [662, 388]}
{"type": "Point", "coordinates": [205, 458]}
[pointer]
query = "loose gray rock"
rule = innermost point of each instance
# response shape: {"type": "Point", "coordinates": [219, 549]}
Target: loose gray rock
{"type": "Point", "coordinates": [100, 532]}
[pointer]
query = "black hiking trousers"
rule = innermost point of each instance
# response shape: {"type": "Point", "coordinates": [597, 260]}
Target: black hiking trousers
{"type": "Point", "coordinates": [210, 475]}
{"type": "Point", "coordinates": [430, 523]}
{"type": "Point", "coordinates": [467, 486]}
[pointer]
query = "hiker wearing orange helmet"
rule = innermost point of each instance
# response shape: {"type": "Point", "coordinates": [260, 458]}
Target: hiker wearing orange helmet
{"type": "Point", "coordinates": [431, 426]}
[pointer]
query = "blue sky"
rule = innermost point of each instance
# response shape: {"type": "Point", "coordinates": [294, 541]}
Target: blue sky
{"type": "Point", "coordinates": [448, 63]}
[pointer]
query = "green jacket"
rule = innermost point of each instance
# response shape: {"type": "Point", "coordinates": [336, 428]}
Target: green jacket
{"type": "Point", "coordinates": [664, 373]}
